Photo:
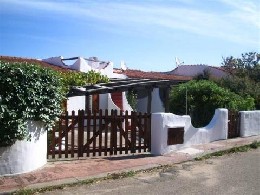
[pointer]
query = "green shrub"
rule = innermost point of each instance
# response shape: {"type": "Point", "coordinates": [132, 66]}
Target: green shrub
{"type": "Point", "coordinates": [73, 78]}
{"type": "Point", "coordinates": [132, 99]}
{"type": "Point", "coordinates": [203, 97]}
{"type": "Point", "coordinates": [28, 92]}
{"type": "Point", "coordinates": [32, 92]}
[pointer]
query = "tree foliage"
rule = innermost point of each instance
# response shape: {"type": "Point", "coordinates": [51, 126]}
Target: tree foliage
{"type": "Point", "coordinates": [73, 78]}
{"type": "Point", "coordinates": [246, 66]}
{"type": "Point", "coordinates": [205, 75]}
{"type": "Point", "coordinates": [244, 76]}
{"type": "Point", "coordinates": [203, 97]}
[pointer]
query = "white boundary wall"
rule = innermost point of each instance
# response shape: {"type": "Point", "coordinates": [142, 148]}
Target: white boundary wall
{"type": "Point", "coordinates": [217, 129]}
{"type": "Point", "coordinates": [249, 123]}
{"type": "Point", "coordinates": [25, 156]}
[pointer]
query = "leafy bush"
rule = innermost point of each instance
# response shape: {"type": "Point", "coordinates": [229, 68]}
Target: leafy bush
{"type": "Point", "coordinates": [203, 97]}
{"type": "Point", "coordinates": [132, 99]}
{"type": "Point", "coordinates": [28, 92]}
{"type": "Point", "coordinates": [32, 92]}
{"type": "Point", "coordinates": [73, 78]}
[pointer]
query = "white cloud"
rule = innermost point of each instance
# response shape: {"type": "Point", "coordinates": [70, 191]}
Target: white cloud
{"type": "Point", "coordinates": [247, 11]}
{"type": "Point", "coordinates": [239, 23]}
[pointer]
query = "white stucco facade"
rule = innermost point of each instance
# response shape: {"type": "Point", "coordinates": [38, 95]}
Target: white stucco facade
{"type": "Point", "coordinates": [249, 123]}
{"type": "Point", "coordinates": [217, 129]}
{"type": "Point", "coordinates": [103, 101]}
{"type": "Point", "coordinates": [75, 103]}
{"type": "Point", "coordinates": [25, 156]}
{"type": "Point", "coordinates": [156, 104]}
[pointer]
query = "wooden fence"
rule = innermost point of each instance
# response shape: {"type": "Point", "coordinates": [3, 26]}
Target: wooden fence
{"type": "Point", "coordinates": [99, 134]}
{"type": "Point", "coordinates": [233, 124]}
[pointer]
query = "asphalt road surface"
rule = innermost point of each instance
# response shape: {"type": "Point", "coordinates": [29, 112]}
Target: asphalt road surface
{"type": "Point", "coordinates": [230, 174]}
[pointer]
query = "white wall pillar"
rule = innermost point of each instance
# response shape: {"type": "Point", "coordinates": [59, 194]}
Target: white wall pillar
{"type": "Point", "coordinates": [25, 156]}
{"type": "Point", "coordinates": [249, 123]}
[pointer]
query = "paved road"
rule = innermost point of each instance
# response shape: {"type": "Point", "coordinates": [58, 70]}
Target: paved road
{"type": "Point", "coordinates": [231, 174]}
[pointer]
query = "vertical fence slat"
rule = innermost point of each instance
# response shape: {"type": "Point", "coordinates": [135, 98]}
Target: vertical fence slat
{"type": "Point", "coordinates": [94, 132]}
{"type": "Point", "coordinates": [126, 131]}
{"type": "Point", "coordinates": [66, 133]}
{"type": "Point", "coordinates": [106, 130]}
{"type": "Point", "coordinates": [115, 132]}
{"type": "Point", "coordinates": [72, 147]}
{"type": "Point", "coordinates": [149, 132]}
{"type": "Point", "coordinates": [140, 133]}
{"type": "Point", "coordinates": [80, 132]}
{"type": "Point", "coordinates": [60, 138]}
{"type": "Point", "coordinates": [88, 131]}
{"type": "Point", "coordinates": [53, 140]}
{"type": "Point", "coordinates": [133, 131]}
{"type": "Point", "coordinates": [145, 132]}
{"type": "Point", "coordinates": [120, 127]}
{"type": "Point", "coordinates": [112, 133]}
{"type": "Point", "coordinates": [100, 132]}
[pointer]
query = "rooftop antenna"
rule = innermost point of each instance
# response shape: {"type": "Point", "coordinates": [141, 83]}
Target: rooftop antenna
{"type": "Point", "coordinates": [123, 65]}
{"type": "Point", "coordinates": [178, 62]}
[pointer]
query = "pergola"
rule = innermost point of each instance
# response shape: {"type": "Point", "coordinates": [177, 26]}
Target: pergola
{"type": "Point", "coordinates": [120, 85]}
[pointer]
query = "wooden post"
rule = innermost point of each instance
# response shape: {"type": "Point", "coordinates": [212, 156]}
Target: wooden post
{"type": "Point", "coordinates": [66, 133]}
{"type": "Point", "coordinates": [73, 134]}
{"type": "Point", "coordinates": [80, 132]}
{"type": "Point", "coordinates": [87, 102]}
{"type": "Point", "coordinates": [133, 132]}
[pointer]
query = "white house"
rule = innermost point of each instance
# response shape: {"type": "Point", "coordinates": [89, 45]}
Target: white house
{"type": "Point", "coordinates": [108, 101]}
{"type": "Point", "coordinates": [150, 87]}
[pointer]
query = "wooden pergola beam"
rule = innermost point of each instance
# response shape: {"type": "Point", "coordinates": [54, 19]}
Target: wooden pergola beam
{"type": "Point", "coordinates": [118, 85]}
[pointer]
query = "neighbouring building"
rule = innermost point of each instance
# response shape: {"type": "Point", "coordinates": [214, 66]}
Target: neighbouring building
{"type": "Point", "coordinates": [195, 70]}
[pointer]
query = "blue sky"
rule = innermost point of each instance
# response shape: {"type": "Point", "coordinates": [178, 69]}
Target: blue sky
{"type": "Point", "coordinates": [146, 34]}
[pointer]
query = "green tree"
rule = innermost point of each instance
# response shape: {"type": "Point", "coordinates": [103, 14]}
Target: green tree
{"type": "Point", "coordinates": [203, 97]}
{"type": "Point", "coordinates": [205, 75]}
{"type": "Point", "coordinates": [245, 66]}
{"type": "Point", "coordinates": [244, 76]}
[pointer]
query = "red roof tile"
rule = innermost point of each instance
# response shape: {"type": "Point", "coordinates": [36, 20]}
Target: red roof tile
{"type": "Point", "coordinates": [129, 72]}
{"type": "Point", "coordinates": [151, 75]}
{"type": "Point", "coordinates": [33, 61]}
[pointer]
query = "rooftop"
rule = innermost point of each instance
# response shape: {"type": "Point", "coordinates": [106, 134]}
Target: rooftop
{"type": "Point", "coordinates": [151, 75]}
{"type": "Point", "coordinates": [33, 61]}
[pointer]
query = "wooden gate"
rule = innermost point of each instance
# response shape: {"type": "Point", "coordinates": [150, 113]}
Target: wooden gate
{"type": "Point", "coordinates": [99, 134]}
{"type": "Point", "coordinates": [233, 124]}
